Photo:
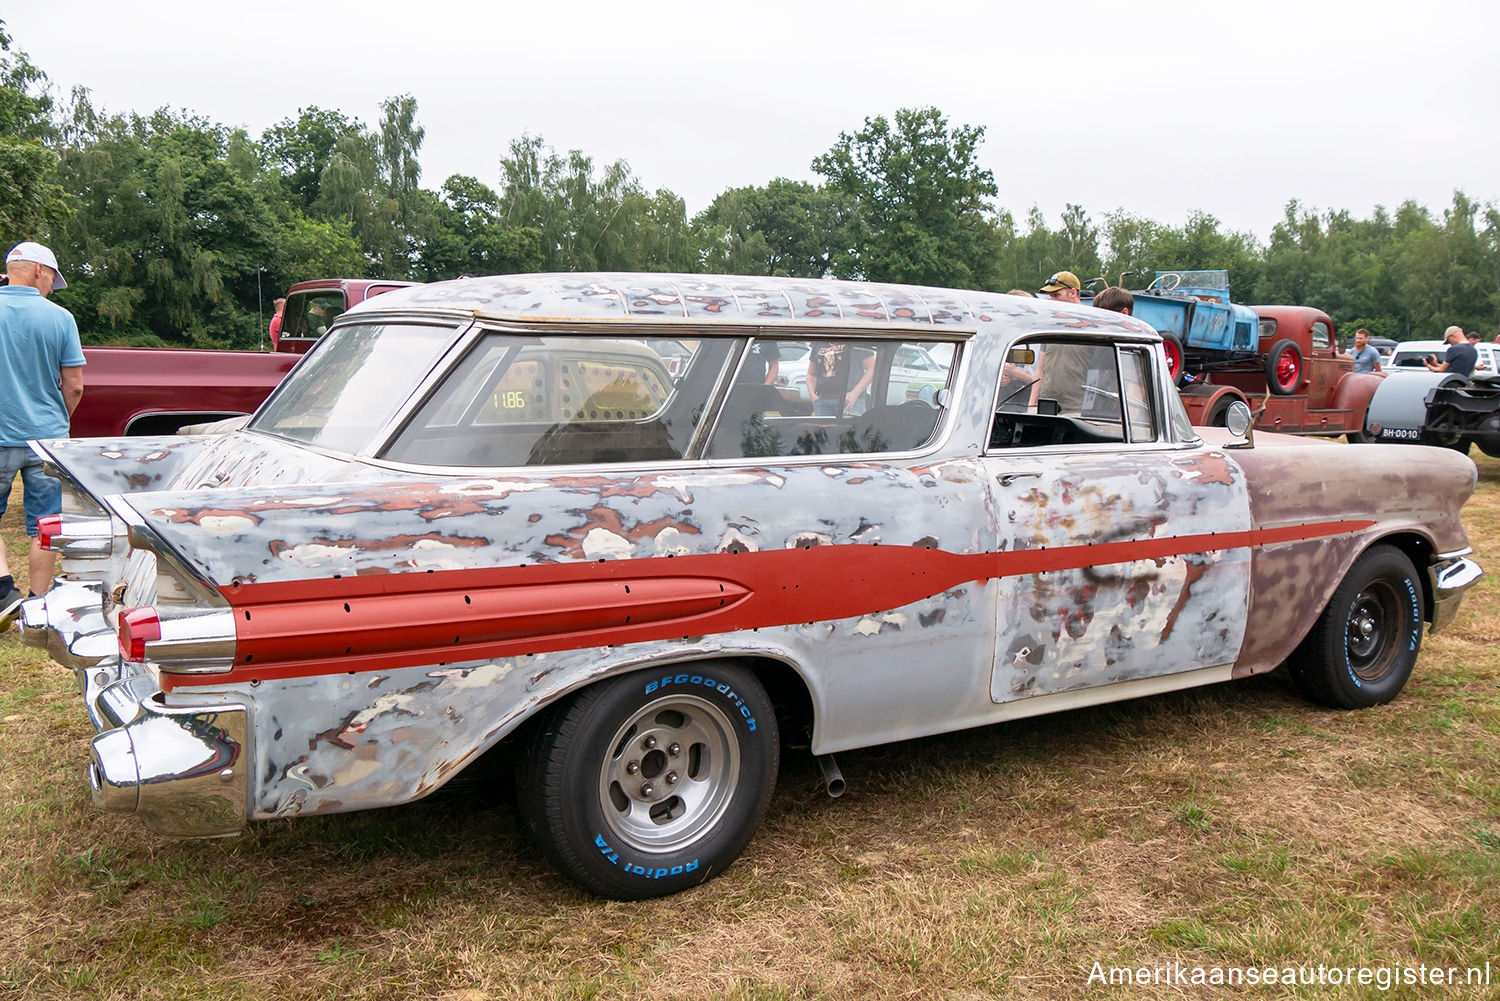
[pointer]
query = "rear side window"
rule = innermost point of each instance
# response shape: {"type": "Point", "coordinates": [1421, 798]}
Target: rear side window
{"type": "Point", "coordinates": [832, 397]}
{"type": "Point", "coordinates": [308, 314]}
{"type": "Point", "coordinates": [518, 400]}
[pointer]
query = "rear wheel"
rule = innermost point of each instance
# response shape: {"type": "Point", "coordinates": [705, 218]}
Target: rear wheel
{"type": "Point", "coordinates": [1442, 431]}
{"type": "Point", "coordinates": [1284, 367]}
{"type": "Point", "coordinates": [1488, 438]}
{"type": "Point", "coordinates": [1365, 643]}
{"type": "Point", "coordinates": [651, 783]}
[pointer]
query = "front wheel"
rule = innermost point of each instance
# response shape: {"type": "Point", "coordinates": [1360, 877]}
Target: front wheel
{"type": "Point", "coordinates": [1365, 643]}
{"type": "Point", "coordinates": [653, 782]}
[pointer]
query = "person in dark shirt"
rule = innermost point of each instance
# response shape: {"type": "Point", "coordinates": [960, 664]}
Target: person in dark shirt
{"type": "Point", "coordinates": [1460, 358]}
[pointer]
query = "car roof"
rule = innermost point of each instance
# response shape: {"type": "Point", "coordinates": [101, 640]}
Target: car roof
{"type": "Point", "coordinates": [707, 300]}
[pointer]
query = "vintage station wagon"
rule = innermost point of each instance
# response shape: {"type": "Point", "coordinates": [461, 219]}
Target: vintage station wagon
{"type": "Point", "coordinates": [489, 510]}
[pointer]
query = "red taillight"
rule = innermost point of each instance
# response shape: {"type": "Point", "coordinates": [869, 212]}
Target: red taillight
{"type": "Point", "coordinates": [48, 527]}
{"type": "Point", "coordinates": [138, 626]}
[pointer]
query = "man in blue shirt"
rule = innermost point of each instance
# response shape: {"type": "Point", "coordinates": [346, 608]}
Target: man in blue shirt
{"type": "Point", "coordinates": [41, 382]}
{"type": "Point", "coordinates": [1460, 358]}
{"type": "Point", "coordinates": [1366, 358]}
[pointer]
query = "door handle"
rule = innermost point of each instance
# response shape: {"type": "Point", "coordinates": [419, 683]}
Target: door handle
{"type": "Point", "coordinates": [1006, 479]}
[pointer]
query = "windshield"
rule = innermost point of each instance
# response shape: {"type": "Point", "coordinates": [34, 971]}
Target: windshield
{"type": "Point", "coordinates": [352, 384]}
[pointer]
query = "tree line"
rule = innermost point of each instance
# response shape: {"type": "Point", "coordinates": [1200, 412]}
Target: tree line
{"type": "Point", "coordinates": [175, 230]}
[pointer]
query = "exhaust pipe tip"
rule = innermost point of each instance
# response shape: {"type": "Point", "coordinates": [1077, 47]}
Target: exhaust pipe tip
{"type": "Point", "coordinates": [833, 778]}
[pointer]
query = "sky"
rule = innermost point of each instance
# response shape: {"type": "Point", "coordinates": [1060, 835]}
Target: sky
{"type": "Point", "coordinates": [1155, 109]}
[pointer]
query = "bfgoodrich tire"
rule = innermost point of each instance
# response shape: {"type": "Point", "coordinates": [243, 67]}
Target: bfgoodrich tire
{"type": "Point", "coordinates": [1365, 643]}
{"type": "Point", "coordinates": [653, 782]}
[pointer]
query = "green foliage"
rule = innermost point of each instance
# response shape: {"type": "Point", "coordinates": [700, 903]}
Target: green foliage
{"type": "Point", "coordinates": [591, 219]}
{"type": "Point", "coordinates": [921, 210]}
{"type": "Point", "coordinates": [300, 150]}
{"type": "Point", "coordinates": [173, 229]}
{"type": "Point", "coordinates": [785, 228]}
{"type": "Point", "coordinates": [29, 192]}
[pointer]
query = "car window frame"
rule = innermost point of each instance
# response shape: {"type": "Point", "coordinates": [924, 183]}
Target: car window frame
{"type": "Point", "coordinates": [1167, 436]}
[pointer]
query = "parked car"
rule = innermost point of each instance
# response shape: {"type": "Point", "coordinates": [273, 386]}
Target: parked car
{"type": "Point", "coordinates": [480, 512]}
{"type": "Point", "coordinates": [1409, 354]}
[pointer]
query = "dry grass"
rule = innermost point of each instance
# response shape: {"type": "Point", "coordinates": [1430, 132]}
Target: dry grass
{"type": "Point", "coordinates": [1232, 826]}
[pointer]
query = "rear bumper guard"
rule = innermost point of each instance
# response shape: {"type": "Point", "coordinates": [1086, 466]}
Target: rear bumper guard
{"type": "Point", "coordinates": [1450, 578]}
{"type": "Point", "coordinates": [68, 622]}
{"type": "Point", "coordinates": [184, 771]}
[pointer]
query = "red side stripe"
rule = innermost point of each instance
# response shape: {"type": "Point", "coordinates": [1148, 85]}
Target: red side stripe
{"type": "Point", "coordinates": [385, 621]}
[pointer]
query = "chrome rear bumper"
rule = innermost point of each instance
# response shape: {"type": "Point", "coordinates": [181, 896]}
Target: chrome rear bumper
{"type": "Point", "coordinates": [184, 770]}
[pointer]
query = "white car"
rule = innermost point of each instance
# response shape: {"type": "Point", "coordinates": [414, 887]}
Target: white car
{"type": "Point", "coordinates": [1408, 356]}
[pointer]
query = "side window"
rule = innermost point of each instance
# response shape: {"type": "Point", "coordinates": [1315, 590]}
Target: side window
{"type": "Point", "coordinates": [828, 397]}
{"type": "Point", "coordinates": [1320, 335]}
{"type": "Point", "coordinates": [1135, 380]}
{"type": "Point", "coordinates": [1267, 327]}
{"type": "Point", "coordinates": [310, 313]}
{"type": "Point", "coordinates": [1073, 393]}
{"type": "Point", "coordinates": [515, 400]}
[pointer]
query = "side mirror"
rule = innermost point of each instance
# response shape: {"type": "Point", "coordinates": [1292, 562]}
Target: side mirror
{"type": "Point", "coordinates": [1239, 421]}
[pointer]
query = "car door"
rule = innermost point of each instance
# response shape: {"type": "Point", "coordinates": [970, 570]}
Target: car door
{"type": "Point", "coordinates": [1109, 526]}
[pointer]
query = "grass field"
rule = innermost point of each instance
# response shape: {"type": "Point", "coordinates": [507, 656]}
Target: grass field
{"type": "Point", "coordinates": [1229, 827]}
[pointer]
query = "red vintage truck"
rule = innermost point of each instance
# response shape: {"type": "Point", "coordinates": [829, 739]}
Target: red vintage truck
{"type": "Point", "coordinates": [1317, 392]}
{"type": "Point", "coordinates": [142, 391]}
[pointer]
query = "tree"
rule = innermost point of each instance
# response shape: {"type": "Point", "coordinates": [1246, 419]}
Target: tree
{"type": "Point", "coordinates": [785, 228]}
{"type": "Point", "coordinates": [30, 195]}
{"type": "Point", "coordinates": [920, 209]}
{"type": "Point", "coordinates": [301, 149]}
{"type": "Point", "coordinates": [590, 219]}
{"type": "Point", "coordinates": [172, 226]}
{"type": "Point", "coordinates": [469, 237]}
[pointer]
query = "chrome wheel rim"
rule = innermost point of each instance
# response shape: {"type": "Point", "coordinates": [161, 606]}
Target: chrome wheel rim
{"type": "Point", "coordinates": [671, 771]}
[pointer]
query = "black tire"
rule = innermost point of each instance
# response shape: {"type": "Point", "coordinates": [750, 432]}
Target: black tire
{"type": "Point", "coordinates": [603, 793]}
{"type": "Point", "coordinates": [1284, 367]}
{"type": "Point", "coordinates": [1365, 643]}
{"type": "Point", "coordinates": [1488, 438]}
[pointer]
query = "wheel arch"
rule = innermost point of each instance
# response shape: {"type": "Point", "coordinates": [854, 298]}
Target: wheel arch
{"type": "Point", "coordinates": [785, 683]}
{"type": "Point", "coordinates": [1420, 550]}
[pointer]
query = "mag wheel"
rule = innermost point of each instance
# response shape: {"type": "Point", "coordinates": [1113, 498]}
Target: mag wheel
{"type": "Point", "coordinates": [651, 783]}
{"type": "Point", "coordinates": [1365, 643]}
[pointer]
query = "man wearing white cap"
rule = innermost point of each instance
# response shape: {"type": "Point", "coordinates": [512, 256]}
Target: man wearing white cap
{"type": "Point", "coordinates": [41, 382]}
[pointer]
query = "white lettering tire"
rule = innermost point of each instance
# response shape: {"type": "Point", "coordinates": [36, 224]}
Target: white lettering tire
{"type": "Point", "coordinates": [653, 782]}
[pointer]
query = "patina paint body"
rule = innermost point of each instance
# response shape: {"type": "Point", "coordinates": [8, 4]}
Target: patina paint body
{"type": "Point", "coordinates": [377, 625]}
